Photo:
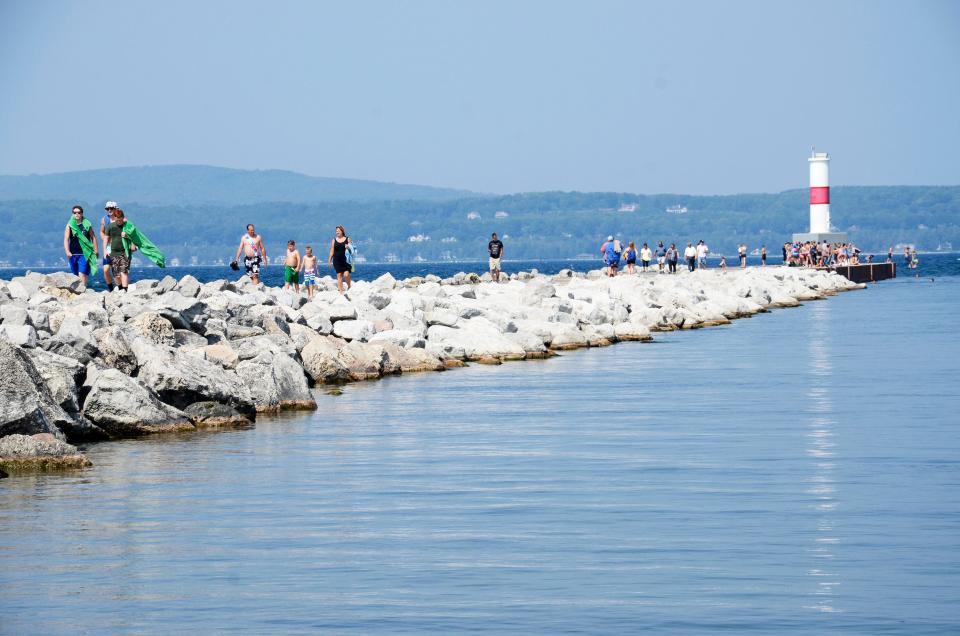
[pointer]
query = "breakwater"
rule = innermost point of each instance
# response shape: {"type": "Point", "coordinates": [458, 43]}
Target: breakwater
{"type": "Point", "coordinates": [177, 355]}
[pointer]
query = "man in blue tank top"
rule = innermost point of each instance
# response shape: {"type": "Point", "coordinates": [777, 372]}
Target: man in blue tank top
{"type": "Point", "coordinates": [71, 244]}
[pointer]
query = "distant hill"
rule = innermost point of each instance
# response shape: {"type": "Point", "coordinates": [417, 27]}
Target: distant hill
{"type": "Point", "coordinates": [532, 225]}
{"type": "Point", "coordinates": [194, 185]}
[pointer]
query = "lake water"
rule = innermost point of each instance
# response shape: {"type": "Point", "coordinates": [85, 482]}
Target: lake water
{"type": "Point", "coordinates": [796, 472]}
{"type": "Point", "coordinates": [930, 265]}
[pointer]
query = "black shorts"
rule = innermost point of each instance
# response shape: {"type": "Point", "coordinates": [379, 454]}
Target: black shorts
{"type": "Point", "coordinates": [252, 264]}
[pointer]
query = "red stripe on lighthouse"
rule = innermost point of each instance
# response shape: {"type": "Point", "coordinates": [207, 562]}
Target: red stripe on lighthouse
{"type": "Point", "coordinates": [819, 195]}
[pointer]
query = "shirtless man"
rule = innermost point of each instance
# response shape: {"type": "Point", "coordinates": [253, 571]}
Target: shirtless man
{"type": "Point", "coordinates": [254, 254]}
{"type": "Point", "coordinates": [291, 267]}
{"type": "Point", "coordinates": [309, 269]}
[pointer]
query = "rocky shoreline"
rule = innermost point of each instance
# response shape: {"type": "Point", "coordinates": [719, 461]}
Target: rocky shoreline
{"type": "Point", "coordinates": [179, 355]}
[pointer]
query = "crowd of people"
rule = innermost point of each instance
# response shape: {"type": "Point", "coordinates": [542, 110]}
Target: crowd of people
{"type": "Point", "coordinates": [664, 258]}
{"type": "Point", "coordinates": [120, 239]}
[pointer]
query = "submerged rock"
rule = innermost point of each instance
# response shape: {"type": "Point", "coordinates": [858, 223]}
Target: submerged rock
{"type": "Point", "coordinates": [42, 451]}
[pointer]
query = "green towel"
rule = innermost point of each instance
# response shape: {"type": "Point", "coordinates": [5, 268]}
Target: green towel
{"type": "Point", "coordinates": [83, 237]}
{"type": "Point", "coordinates": [146, 248]}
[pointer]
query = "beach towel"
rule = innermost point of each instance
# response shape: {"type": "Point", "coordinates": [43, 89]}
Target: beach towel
{"type": "Point", "coordinates": [143, 244]}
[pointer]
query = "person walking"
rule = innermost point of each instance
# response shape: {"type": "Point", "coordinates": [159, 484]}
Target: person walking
{"type": "Point", "coordinates": [763, 256]}
{"type": "Point", "coordinates": [661, 254]}
{"type": "Point", "coordinates": [80, 245]}
{"type": "Point", "coordinates": [254, 253]}
{"type": "Point", "coordinates": [309, 268]}
{"type": "Point", "coordinates": [109, 208]}
{"type": "Point", "coordinates": [291, 267]}
{"type": "Point", "coordinates": [495, 250]}
{"type": "Point", "coordinates": [631, 255]}
{"type": "Point", "coordinates": [702, 251]}
{"type": "Point", "coordinates": [120, 252]}
{"type": "Point", "coordinates": [672, 256]}
{"type": "Point", "coordinates": [338, 258]}
{"type": "Point", "coordinates": [125, 239]}
{"type": "Point", "coordinates": [611, 250]}
{"type": "Point", "coordinates": [742, 253]}
{"type": "Point", "coordinates": [690, 253]}
{"type": "Point", "coordinates": [646, 255]}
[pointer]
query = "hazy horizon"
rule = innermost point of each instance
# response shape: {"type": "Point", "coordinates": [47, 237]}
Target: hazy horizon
{"type": "Point", "coordinates": [493, 97]}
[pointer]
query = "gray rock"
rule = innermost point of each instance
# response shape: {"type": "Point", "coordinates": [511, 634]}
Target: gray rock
{"type": "Point", "coordinates": [123, 407]}
{"type": "Point", "coordinates": [182, 380]}
{"type": "Point", "coordinates": [62, 376]}
{"type": "Point", "coordinates": [353, 329]}
{"type": "Point", "coordinates": [154, 327]}
{"type": "Point", "coordinates": [65, 281]}
{"type": "Point", "coordinates": [362, 361]}
{"type": "Point", "coordinates": [302, 335]}
{"type": "Point", "coordinates": [115, 351]}
{"type": "Point", "coordinates": [166, 284]}
{"type": "Point", "coordinates": [73, 332]}
{"type": "Point", "coordinates": [221, 354]}
{"type": "Point", "coordinates": [236, 332]}
{"type": "Point", "coordinates": [320, 360]}
{"type": "Point", "coordinates": [379, 299]}
{"type": "Point", "coordinates": [321, 324]}
{"type": "Point", "coordinates": [215, 415]}
{"type": "Point", "coordinates": [26, 406]}
{"type": "Point", "coordinates": [11, 314]}
{"type": "Point", "coordinates": [20, 335]}
{"type": "Point", "coordinates": [276, 382]}
{"type": "Point", "coordinates": [38, 452]}
{"type": "Point", "coordinates": [186, 339]}
{"type": "Point", "coordinates": [55, 345]}
{"type": "Point", "coordinates": [340, 309]}
{"type": "Point", "coordinates": [189, 286]}
{"type": "Point", "coordinates": [39, 319]}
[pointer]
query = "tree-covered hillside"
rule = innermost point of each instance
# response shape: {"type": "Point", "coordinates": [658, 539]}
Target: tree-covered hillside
{"type": "Point", "coordinates": [191, 185]}
{"type": "Point", "coordinates": [533, 225]}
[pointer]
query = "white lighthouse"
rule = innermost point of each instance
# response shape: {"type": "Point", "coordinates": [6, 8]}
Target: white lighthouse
{"type": "Point", "coordinates": [820, 202]}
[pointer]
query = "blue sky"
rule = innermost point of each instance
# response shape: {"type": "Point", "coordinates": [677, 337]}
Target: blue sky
{"type": "Point", "coordinates": [685, 97]}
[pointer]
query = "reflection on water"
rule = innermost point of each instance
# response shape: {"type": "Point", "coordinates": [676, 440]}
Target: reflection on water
{"type": "Point", "coordinates": [821, 449]}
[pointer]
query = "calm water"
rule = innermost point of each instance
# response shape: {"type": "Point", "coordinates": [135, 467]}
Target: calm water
{"type": "Point", "coordinates": [930, 265]}
{"type": "Point", "coordinates": [797, 472]}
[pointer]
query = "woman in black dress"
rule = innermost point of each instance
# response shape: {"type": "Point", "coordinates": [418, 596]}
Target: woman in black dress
{"type": "Point", "coordinates": [338, 257]}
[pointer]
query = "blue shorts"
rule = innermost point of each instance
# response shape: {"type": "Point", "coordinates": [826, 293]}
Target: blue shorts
{"type": "Point", "coordinates": [107, 261]}
{"type": "Point", "coordinates": [79, 264]}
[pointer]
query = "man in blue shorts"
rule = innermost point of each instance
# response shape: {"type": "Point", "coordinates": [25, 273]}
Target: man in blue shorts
{"type": "Point", "coordinates": [77, 231]}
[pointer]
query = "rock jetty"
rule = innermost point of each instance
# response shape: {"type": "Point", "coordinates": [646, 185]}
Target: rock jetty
{"type": "Point", "coordinates": [177, 355]}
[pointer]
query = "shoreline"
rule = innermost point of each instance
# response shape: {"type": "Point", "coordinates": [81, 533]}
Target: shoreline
{"type": "Point", "coordinates": [179, 355]}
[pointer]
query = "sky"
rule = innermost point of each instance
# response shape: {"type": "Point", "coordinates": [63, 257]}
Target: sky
{"type": "Point", "coordinates": [499, 97]}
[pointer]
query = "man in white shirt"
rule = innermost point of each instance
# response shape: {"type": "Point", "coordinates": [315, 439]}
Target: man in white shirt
{"type": "Point", "coordinates": [690, 253]}
{"type": "Point", "coordinates": [702, 251]}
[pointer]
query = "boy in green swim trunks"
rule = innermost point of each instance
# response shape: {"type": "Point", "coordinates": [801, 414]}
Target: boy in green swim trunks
{"type": "Point", "coordinates": [291, 267]}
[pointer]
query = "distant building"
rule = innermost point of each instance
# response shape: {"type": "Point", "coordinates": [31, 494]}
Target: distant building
{"type": "Point", "coordinates": [449, 239]}
{"type": "Point", "coordinates": [418, 238]}
{"type": "Point", "coordinates": [502, 214]}
{"type": "Point", "coordinates": [628, 207]}
{"type": "Point", "coordinates": [391, 257]}
{"type": "Point", "coordinates": [473, 216]}
{"type": "Point", "coordinates": [677, 209]}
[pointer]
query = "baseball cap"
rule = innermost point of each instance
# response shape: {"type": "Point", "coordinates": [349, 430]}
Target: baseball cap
{"type": "Point", "coordinates": [610, 238]}
{"type": "Point", "coordinates": [111, 204]}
